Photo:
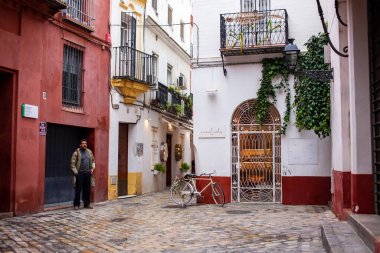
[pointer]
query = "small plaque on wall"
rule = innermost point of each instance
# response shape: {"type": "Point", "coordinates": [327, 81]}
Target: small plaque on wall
{"type": "Point", "coordinates": [213, 132]}
{"type": "Point", "coordinates": [29, 111]}
{"type": "Point", "coordinates": [303, 151]}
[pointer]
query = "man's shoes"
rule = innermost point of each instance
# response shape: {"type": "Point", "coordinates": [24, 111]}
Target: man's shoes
{"type": "Point", "coordinates": [76, 208]}
{"type": "Point", "coordinates": [88, 207]}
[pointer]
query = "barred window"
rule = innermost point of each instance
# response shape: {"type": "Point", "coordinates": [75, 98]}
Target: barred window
{"type": "Point", "coordinates": [72, 76]}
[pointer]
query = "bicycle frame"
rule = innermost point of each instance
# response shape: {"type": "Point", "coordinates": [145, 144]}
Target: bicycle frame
{"type": "Point", "coordinates": [193, 183]}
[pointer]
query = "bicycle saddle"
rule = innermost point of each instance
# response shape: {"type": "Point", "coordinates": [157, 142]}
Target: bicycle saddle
{"type": "Point", "coordinates": [190, 175]}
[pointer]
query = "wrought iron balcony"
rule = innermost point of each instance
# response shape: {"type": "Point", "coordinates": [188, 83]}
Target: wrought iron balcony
{"type": "Point", "coordinates": [133, 65]}
{"type": "Point", "coordinates": [173, 103]}
{"type": "Point", "coordinates": [56, 4]}
{"type": "Point", "coordinates": [80, 12]}
{"type": "Point", "coordinates": [257, 32]}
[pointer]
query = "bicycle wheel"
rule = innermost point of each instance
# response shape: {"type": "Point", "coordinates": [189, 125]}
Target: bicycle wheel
{"type": "Point", "coordinates": [181, 193]}
{"type": "Point", "coordinates": [217, 194]}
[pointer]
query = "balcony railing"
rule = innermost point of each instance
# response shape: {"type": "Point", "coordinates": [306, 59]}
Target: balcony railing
{"type": "Point", "coordinates": [56, 4]}
{"type": "Point", "coordinates": [132, 64]}
{"type": "Point", "coordinates": [253, 32]}
{"type": "Point", "coordinates": [80, 12]}
{"type": "Point", "coordinates": [173, 103]}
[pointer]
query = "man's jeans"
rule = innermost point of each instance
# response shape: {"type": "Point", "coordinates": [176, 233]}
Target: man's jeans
{"type": "Point", "coordinates": [83, 184]}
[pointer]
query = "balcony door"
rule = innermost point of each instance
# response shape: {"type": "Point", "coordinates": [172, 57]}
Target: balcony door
{"type": "Point", "coordinates": [128, 42]}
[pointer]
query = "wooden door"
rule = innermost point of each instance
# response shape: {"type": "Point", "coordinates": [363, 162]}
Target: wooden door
{"type": "Point", "coordinates": [122, 186]}
{"type": "Point", "coordinates": [169, 161]}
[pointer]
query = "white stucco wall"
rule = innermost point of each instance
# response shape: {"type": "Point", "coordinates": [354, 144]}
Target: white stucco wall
{"type": "Point", "coordinates": [171, 50]}
{"type": "Point", "coordinates": [340, 95]}
{"type": "Point", "coordinates": [242, 82]}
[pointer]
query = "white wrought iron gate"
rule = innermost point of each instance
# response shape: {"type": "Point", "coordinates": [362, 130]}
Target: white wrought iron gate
{"type": "Point", "coordinates": [256, 156]}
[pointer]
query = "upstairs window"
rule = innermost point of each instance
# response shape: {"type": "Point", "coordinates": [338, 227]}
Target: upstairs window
{"type": "Point", "coordinates": [80, 12]}
{"type": "Point", "coordinates": [169, 74]}
{"type": "Point", "coordinates": [128, 29]}
{"type": "Point", "coordinates": [170, 16]}
{"type": "Point", "coordinates": [254, 5]}
{"type": "Point", "coordinates": [72, 76]}
{"type": "Point", "coordinates": [155, 66]}
{"type": "Point", "coordinates": [182, 31]}
{"type": "Point", "coordinates": [154, 5]}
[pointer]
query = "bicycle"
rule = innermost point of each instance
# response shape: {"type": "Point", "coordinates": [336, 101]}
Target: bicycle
{"type": "Point", "coordinates": [183, 189]}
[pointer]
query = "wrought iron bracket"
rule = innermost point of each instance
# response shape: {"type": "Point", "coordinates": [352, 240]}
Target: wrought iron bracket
{"type": "Point", "coordinates": [224, 68]}
{"type": "Point", "coordinates": [318, 75]}
{"type": "Point", "coordinates": [345, 49]}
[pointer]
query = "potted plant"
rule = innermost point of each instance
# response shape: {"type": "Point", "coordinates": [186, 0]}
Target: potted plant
{"type": "Point", "coordinates": [158, 168]}
{"type": "Point", "coordinates": [184, 167]}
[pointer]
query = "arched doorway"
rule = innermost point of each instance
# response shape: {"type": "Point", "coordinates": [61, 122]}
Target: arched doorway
{"type": "Point", "coordinates": [256, 155]}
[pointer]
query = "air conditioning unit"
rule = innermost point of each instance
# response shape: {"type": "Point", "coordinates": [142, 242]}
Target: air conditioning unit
{"type": "Point", "coordinates": [182, 82]}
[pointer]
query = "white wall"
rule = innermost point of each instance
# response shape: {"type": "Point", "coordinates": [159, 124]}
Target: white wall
{"type": "Point", "coordinates": [140, 127]}
{"type": "Point", "coordinates": [181, 12]}
{"type": "Point", "coordinates": [242, 83]}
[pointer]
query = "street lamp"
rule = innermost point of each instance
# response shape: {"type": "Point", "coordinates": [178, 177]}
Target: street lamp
{"type": "Point", "coordinates": [291, 53]}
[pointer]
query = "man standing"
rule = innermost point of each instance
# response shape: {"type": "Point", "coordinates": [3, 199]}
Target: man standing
{"type": "Point", "coordinates": [82, 166]}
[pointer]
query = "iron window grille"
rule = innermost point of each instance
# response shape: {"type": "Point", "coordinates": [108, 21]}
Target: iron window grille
{"type": "Point", "coordinates": [254, 5]}
{"type": "Point", "coordinates": [72, 76]}
{"type": "Point", "coordinates": [80, 12]}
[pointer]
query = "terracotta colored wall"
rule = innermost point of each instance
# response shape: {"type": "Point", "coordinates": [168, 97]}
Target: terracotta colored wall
{"type": "Point", "coordinates": [341, 198]}
{"type": "Point", "coordinates": [6, 103]}
{"type": "Point", "coordinates": [362, 199]}
{"type": "Point", "coordinates": [37, 57]}
{"type": "Point", "coordinates": [224, 182]}
{"type": "Point", "coordinates": [306, 190]}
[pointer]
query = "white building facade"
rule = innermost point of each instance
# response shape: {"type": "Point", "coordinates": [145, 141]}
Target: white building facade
{"type": "Point", "coordinates": [253, 162]}
{"type": "Point", "coordinates": [151, 104]}
{"type": "Point", "coordinates": [355, 107]}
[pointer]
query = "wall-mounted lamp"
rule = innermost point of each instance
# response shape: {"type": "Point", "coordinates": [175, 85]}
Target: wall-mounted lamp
{"type": "Point", "coordinates": [291, 53]}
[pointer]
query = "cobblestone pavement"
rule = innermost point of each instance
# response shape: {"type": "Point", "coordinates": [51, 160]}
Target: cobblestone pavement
{"type": "Point", "coordinates": [151, 223]}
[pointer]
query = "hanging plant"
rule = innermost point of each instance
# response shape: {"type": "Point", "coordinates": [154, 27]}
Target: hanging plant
{"type": "Point", "coordinates": [312, 99]}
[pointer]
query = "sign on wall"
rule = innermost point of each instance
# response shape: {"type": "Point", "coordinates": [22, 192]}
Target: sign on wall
{"type": "Point", "coordinates": [43, 128]}
{"type": "Point", "coordinates": [213, 132]}
{"type": "Point", "coordinates": [29, 111]}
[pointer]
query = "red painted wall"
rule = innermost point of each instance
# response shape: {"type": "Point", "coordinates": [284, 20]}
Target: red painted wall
{"type": "Point", "coordinates": [306, 190]}
{"type": "Point", "coordinates": [362, 199]}
{"type": "Point", "coordinates": [6, 102]}
{"type": "Point", "coordinates": [36, 55]}
{"type": "Point", "coordinates": [341, 198]}
{"type": "Point", "coordinates": [224, 182]}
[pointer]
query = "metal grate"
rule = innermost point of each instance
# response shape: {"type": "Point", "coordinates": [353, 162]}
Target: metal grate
{"type": "Point", "coordinates": [132, 64]}
{"type": "Point", "coordinates": [81, 11]}
{"type": "Point", "coordinates": [256, 155]}
{"type": "Point", "coordinates": [247, 30]}
{"type": "Point", "coordinates": [254, 5]}
{"type": "Point", "coordinates": [72, 76]}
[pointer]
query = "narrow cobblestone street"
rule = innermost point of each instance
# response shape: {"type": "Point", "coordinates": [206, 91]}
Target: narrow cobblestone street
{"type": "Point", "coordinates": [151, 223]}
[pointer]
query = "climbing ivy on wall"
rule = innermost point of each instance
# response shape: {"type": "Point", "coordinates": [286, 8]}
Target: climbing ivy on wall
{"type": "Point", "coordinates": [272, 68]}
{"type": "Point", "coordinates": [312, 98]}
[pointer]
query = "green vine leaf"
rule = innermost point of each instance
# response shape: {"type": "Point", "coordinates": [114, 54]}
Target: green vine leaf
{"type": "Point", "coordinates": [312, 98]}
